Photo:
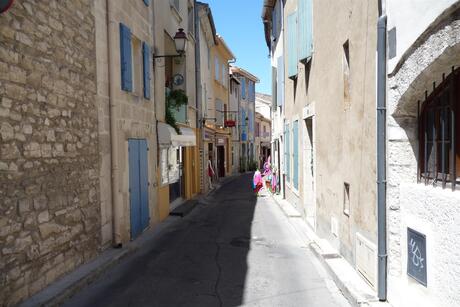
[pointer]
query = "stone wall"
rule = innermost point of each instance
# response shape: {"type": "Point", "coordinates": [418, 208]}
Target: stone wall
{"type": "Point", "coordinates": [49, 211]}
{"type": "Point", "coordinates": [427, 209]}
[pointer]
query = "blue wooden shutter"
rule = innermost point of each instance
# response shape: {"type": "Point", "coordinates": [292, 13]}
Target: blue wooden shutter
{"type": "Point", "coordinates": [126, 59]}
{"type": "Point", "coordinates": [305, 29]}
{"type": "Point", "coordinates": [292, 44]}
{"type": "Point", "coordinates": [295, 153]}
{"type": "Point", "coordinates": [287, 155]}
{"type": "Point", "coordinates": [134, 188]}
{"type": "Point", "coordinates": [280, 81]}
{"type": "Point", "coordinates": [146, 58]}
{"type": "Point", "coordinates": [144, 183]}
{"type": "Point", "coordinates": [243, 87]}
{"type": "Point", "coordinates": [147, 2]}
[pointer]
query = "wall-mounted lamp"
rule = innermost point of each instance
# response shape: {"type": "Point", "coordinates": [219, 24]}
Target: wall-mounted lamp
{"type": "Point", "coordinates": [180, 40]}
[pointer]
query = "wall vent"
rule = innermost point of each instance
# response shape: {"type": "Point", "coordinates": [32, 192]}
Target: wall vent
{"type": "Point", "coordinates": [366, 259]}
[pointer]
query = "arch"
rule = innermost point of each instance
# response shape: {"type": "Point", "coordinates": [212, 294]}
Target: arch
{"type": "Point", "coordinates": [435, 53]}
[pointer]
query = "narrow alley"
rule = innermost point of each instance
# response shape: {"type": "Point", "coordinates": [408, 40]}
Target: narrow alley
{"type": "Point", "coordinates": [233, 249]}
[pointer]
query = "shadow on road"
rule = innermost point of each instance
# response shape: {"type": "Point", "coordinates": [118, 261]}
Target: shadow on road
{"type": "Point", "coordinates": [199, 261]}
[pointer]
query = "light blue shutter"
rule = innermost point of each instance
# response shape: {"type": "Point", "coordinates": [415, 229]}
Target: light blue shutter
{"type": "Point", "coordinates": [287, 155]}
{"type": "Point", "coordinates": [280, 81]}
{"type": "Point", "coordinates": [295, 153]}
{"type": "Point", "coordinates": [147, 2]}
{"type": "Point", "coordinates": [243, 87]}
{"type": "Point", "coordinates": [125, 58]}
{"type": "Point", "coordinates": [144, 183]}
{"type": "Point", "coordinates": [292, 44]}
{"type": "Point", "coordinates": [146, 60]}
{"type": "Point", "coordinates": [305, 30]}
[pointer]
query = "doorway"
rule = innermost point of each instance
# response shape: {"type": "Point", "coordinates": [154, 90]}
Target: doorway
{"type": "Point", "coordinates": [138, 186]}
{"type": "Point", "coordinates": [309, 172]}
{"type": "Point", "coordinates": [221, 161]}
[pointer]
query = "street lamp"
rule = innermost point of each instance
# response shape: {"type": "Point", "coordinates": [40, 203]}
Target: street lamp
{"type": "Point", "coordinates": [180, 41]}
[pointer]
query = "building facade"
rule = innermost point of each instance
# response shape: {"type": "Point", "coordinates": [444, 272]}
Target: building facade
{"type": "Point", "coordinates": [219, 107]}
{"type": "Point", "coordinates": [50, 212]}
{"type": "Point", "coordinates": [206, 36]}
{"type": "Point", "coordinates": [325, 102]}
{"type": "Point", "coordinates": [423, 192]}
{"type": "Point", "coordinates": [234, 115]}
{"type": "Point", "coordinates": [175, 78]}
{"type": "Point", "coordinates": [263, 128]}
{"type": "Point", "coordinates": [247, 117]}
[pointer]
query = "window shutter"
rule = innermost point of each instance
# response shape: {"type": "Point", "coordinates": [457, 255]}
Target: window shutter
{"type": "Point", "coordinates": [295, 153]}
{"type": "Point", "coordinates": [125, 58]}
{"type": "Point", "coordinates": [280, 82]}
{"type": "Point", "coordinates": [147, 2]}
{"type": "Point", "coordinates": [287, 156]}
{"type": "Point", "coordinates": [305, 33]}
{"type": "Point", "coordinates": [146, 60]}
{"type": "Point", "coordinates": [274, 87]}
{"type": "Point", "coordinates": [292, 44]}
{"type": "Point", "coordinates": [243, 87]}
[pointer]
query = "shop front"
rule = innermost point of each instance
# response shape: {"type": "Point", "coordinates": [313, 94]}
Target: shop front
{"type": "Point", "coordinates": [173, 164]}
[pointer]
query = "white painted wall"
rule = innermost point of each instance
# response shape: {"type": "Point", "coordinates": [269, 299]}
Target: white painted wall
{"type": "Point", "coordinates": [411, 18]}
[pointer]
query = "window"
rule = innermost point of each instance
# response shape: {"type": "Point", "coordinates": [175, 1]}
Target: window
{"type": "Point", "coordinates": [346, 199]}
{"type": "Point", "coordinates": [216, 68]}
{"type": "Point", "coordinates": [346, 75]}
{"type": "Point", "coordinates": [219, 113]}
{"type": "Point", "coordinates": [243, 87]}
{"type": "Point", "coordinates": [224, 74]}
{"type": "Point", "coordinates": [439, 127]}
{"type": "Point", "coordinates": [191, 20]}
{"type": "Point", "coordinates": [137, 63]}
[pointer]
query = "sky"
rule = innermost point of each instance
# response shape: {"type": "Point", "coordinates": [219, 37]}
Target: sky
{"type": "Point", "coordinates": [239, 22]}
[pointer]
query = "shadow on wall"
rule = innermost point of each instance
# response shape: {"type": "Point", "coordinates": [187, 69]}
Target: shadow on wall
{"type": "Point", "coordinates": [199, 261]}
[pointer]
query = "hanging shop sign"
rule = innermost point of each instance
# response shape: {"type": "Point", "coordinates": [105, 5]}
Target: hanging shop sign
{"type": "Point", "coordinates": [229, 123]}
{"type": "Point", "coordinates": [5, 5]}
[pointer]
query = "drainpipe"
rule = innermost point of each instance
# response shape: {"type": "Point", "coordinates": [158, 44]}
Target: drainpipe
{"type": "Point", "coordinates": [198, 89]}
{"type": "Point", "coordinates": [116, 199]}
{"type": "Point", "coordinates": [381, 152]}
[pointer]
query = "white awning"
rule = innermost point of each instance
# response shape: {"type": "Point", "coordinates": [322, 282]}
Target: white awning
{"type": "Point", "coordinates": [167, 136]}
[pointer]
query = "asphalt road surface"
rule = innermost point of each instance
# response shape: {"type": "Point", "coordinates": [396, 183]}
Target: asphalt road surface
{"type": "Point", "coordinates": [234, 249]}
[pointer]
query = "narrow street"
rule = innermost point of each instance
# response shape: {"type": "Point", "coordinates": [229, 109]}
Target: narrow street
{"type": "Point", "coordinates": [233, 249]}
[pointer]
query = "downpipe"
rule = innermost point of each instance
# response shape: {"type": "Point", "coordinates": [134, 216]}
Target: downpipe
{"type": "Point", "coordinates": [115, 172]}
{"type": "Point", "coordinates": [381, 154]}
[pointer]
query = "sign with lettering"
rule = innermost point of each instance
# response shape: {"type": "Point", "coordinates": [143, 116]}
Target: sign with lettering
{"type": "Point", "coordinates": [5, 5]}
{"type": "Point", "coordinates": [416, 256]}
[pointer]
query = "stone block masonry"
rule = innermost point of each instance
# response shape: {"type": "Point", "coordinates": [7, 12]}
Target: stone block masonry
{"type": "Point", "coordinates": [49, 162]}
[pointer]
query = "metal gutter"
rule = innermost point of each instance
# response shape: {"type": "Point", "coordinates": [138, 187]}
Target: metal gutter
{"type": "Point", "coordinates": [381, 153]}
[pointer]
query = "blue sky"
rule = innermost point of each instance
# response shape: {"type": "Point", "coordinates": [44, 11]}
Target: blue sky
{"type": "Point", "coordinates": [239, 22]}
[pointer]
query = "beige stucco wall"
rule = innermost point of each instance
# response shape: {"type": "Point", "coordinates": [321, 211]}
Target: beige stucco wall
{"type": "Point", "coordinates": [344, 135]}
{"type": "Point", "coordinates": [134, 114]}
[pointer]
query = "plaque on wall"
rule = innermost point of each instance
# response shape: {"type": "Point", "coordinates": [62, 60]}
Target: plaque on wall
{"type": "Point", "coordinates": [416, 256]}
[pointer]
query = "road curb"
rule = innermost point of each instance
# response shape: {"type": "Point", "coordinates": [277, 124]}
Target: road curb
{"type": "Point", "coordinates": [355, 290]}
